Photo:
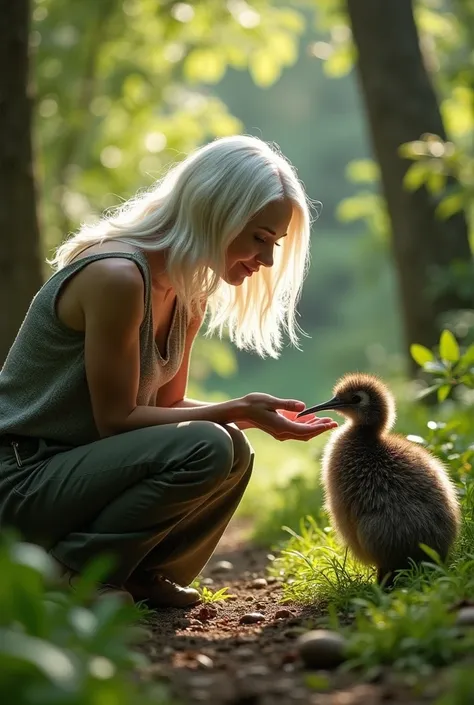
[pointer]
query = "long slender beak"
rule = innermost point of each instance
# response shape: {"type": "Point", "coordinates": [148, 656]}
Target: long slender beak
{"type": "Point", "coordinates": [333, 403]}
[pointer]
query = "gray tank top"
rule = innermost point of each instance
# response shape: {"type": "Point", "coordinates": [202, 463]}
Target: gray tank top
{"type": "Point", "coordinates": [43, 386]}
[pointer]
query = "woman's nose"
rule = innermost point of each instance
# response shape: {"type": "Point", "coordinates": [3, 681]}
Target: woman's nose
{"type": "Point", "coordinates": [266, 258]}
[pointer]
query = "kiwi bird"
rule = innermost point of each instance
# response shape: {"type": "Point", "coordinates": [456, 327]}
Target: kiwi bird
{"type": "Point", "coordinates": [384, 494]}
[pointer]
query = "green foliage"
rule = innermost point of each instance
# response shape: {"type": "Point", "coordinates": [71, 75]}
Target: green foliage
{"type": "Point", "coordinates": [413, 628]}
{"type": "Point", "coordinates": [209, 596]}
{"type": "Point", "coordinates": [451, 369]}
{"type": "Point", "coordinates": [61, 647]}
{"type": "Point", "coordinates": [316, 569]}
{"type": "Point", "coordinates": [365, 205]}
{"type": "Point", "coordinates": [409, 630]}
{"type": "Point", "coordinates": [120, 90]}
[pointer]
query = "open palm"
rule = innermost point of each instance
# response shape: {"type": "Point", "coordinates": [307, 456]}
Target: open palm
{"type": "Point", "coordinates": [309, 418]}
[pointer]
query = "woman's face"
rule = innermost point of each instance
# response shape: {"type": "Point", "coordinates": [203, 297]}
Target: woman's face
{"type": "Point", "coordinates": [254, 245]}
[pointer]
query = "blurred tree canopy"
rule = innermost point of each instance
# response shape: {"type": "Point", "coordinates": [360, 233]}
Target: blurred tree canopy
{"type": "Point", "coordinates": [122, 89]}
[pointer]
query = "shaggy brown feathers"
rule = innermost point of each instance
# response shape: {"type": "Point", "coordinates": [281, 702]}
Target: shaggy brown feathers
{"type": "Point", "coordinates": [385, 494]}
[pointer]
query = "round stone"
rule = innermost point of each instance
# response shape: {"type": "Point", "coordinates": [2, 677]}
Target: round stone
{"type": "Point", "coordinates": [259, 583]}
{"type": "Point", "coordinates": [222, 567]}
{"type": "Point", "coordinates": [465, 617]}
{"type": "Point", "coordinates": [321, 649]}
{"type": "Point", "coordinates": [252, 618]}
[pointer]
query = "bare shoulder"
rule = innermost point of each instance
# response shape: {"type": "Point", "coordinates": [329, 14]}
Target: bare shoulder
{"type": "Point", "coordinates": [116, 273]}
{"type": "Point", "coordinates": [111, 293]}
{"type": "Point", "coordinates": [108, 286]}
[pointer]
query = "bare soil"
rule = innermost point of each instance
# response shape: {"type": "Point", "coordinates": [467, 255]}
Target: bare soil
{"type": "Point", "coordinates": [207, 655]}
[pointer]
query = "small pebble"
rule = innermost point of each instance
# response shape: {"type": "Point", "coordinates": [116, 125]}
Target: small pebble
{"type": "Point", "coordinates": [284, 685]}
{"type": "Point", "coordinates": [271, 579]}
{"type": "Point", "coordinates": [321, 649]}
{"type": "Point", "coordinates": [259, 583]}
{"type": "Point", "coordinates": [201, 681]}
{"type": "Point", "coordinates": [245, 654]}
{"type": "Point", "coordinates": [222, 567]}
{"type": "Point", "coordinates": [207, 581]}
{"type": "Point", "coordinates": [258, 670]}
{"type": "Point", "coordinates": [204, 661]}
{"type": "Point", "coordinates": [251, 618]}
{"type": "Point", "coordinates": [283, 614]}
{"type": "Point", "coordinates": [465, 617]}
{"type": "Point", "coordinates": [249, 598]}
{"type": "Point", "coordinates": [260, 605]}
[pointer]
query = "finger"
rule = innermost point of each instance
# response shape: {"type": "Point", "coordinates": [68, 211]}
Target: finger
{"type": "Point", "coordinates": [289, 404]}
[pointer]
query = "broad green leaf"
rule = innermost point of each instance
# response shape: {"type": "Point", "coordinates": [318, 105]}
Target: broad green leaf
{"type": "Point", "coordinates": [443, 392]}
{"type": "Point", "coordinates": [468, 357]}
{"type": "Point", "coordinates": [435, 182]}
{"type": "Point", "coordinates": [420, 354]}
{"type": "Point", "coordinates": [448, 347]}
{"type": "Point", "coordinates": [450, 205]}
{"type": "Point", "coordinates": [415, 176]}
{"type": "Point", "coordinates": [426, 392]}
{"type": "Point", "coordinates": [54, 663]}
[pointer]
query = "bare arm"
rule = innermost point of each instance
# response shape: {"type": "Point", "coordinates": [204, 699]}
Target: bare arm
{"type": "Point", "coordinates": [113, 304]}
{"type": "Point", "coordinates": [173, 394]}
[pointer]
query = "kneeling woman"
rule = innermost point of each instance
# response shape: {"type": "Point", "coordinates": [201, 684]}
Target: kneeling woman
{"type": "Point", "coordinates": [100, 450]}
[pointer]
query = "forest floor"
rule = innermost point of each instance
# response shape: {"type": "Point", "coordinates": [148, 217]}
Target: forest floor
{"type": "Point", "coordinates": [207, 653]}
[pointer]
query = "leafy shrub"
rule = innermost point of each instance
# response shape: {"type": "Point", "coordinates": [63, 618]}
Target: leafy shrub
{"type": "Point", "coordinates": [59, 647]}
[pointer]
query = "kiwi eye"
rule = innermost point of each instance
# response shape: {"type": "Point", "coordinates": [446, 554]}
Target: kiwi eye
{"type": "Point", "coordinates": [356, 399]}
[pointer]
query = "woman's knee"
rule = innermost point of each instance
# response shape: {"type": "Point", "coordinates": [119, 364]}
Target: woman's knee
{"type": "Point", "coordinates": [227, 445]}
{"type": "Point", "coordinates": [243, 451]}
{"type": "Point", "coordinates": [217, 445]}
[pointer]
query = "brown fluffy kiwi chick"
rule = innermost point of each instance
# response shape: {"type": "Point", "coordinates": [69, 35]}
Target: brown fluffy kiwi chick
{"type": "Point", "coordinates": [385, 495]}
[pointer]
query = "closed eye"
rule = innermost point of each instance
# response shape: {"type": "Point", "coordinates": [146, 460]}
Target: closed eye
{"type": "Point", "coordinates": [262, 239]}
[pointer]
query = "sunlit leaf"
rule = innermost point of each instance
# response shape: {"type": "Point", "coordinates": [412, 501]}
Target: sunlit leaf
{"type": "Point", "coordinates": [54, 663]}
{"type": "Point", "coordinates": [420, 354]}
{"type": "Point", "coordinates": [468, 356]}
{"type": "Point", "coordinates": [450, 205]}
{"type": "Point", "coordinates": [443, 392]}
{"type": "Point", "coordinates": [448, 347]}
{"type": "Point", "coordinates": [415, 176]}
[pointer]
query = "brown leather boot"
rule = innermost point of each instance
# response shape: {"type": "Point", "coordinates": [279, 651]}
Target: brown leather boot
{"type": "Point", "coordinates": [157, 591]}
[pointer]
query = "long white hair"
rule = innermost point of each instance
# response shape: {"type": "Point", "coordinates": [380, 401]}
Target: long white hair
{"type": "Point", "coordinates": [194, 212]}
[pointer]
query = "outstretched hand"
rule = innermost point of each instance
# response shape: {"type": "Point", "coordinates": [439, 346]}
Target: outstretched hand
{"type": "Point", "coordinates": [278, 417]}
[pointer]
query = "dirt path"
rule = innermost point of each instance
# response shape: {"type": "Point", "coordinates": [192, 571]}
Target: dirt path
{"type": "Point", "coordinates": [208, 656]}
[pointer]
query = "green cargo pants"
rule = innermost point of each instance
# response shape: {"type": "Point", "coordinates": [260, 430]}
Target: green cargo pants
{"type": "Point", "coordinates": [157, 498]}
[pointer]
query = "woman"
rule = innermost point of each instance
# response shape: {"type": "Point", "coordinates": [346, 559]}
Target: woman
{"type": "Point", "coordinates": [100, 449]}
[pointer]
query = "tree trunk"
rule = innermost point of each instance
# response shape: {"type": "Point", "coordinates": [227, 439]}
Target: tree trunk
{"type": "Point", "coordinates": [20, 260]}
{"type": "Point", "coordinates": [401, 105]}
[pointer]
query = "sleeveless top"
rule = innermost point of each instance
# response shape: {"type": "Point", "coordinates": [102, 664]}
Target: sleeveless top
{"type": "Point", "coordinates": [43, 386]}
